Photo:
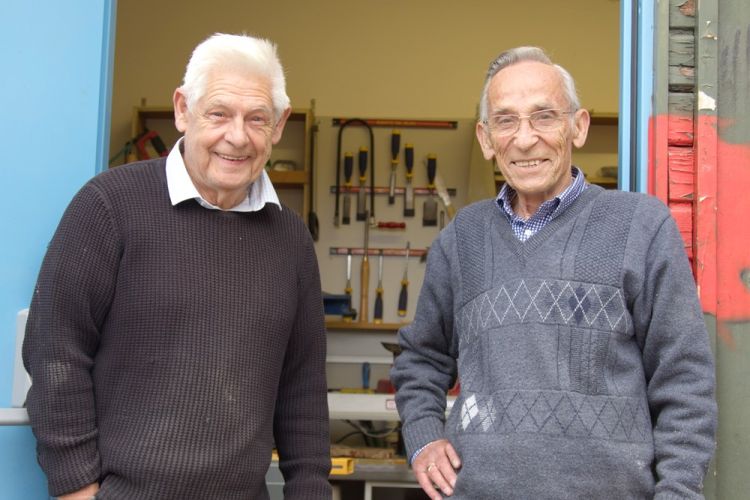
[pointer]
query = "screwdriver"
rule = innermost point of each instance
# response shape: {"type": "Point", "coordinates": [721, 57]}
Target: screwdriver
{"type": "Point", "coordinates": [409, 191]}
{"type": "Point", "coordinates": [378, 314]}
{"type": "Point", "coordinates": [348, 169]}
{"type": "Point", "coordinates": [403, 295]}
{"type": "Point", "coordinates": [361, 197]}
{"type": "Point", "coordinates": [348, 289]}
{"type": "Point", "coordinates": [395, 147]}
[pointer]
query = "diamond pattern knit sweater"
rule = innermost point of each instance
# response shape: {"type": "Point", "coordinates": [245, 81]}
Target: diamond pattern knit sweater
{"type": "Point", "coordinates": [169, 347]}
{"type": "Point", "coordinates": [582, 354]}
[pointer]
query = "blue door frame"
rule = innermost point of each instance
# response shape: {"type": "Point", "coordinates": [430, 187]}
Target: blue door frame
{"type": "Point", "coordinates": [636, 92]}
{"type": "Point", "coordinates": [56, 85]}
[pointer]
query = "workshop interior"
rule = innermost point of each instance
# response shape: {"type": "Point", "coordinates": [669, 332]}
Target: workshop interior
{"type": "Point", "coordinates": [377, 157]}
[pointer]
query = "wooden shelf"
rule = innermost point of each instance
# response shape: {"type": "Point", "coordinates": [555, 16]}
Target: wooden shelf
{"type": "Point", "coordinates": [288, 178]}
{"type": "Point", "coordinates": [366, 327]}
{"type": "Point", "coordinates": [603, 118]}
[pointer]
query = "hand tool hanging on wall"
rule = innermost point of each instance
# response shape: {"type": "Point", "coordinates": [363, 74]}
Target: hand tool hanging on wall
{"type": "Point", "coordinates": [348, 169]}
{"type": "Point", "coordinates": [150, 137]}
{"type": "Point", "coordinates": [403, 295]}
{"type": "Point", "coordinates": [364, 277]}
{"type": "Point", "coordinates": [390, 225]}
{"type": "Point", "coordinates": [444, 196]}
{"type": "Point", "coordinates": [429, 207]}
{"type": "Point", "coordinates": [378, 314]}
{"type": "Point", "coordinates": [395, 148]}
{"type": "Point", "coordinates": [348, 289]}
{"type": "Point", "coordinates": [361, 199]}
{"type": "Point", "coordinates": [409, 191]}
{"type": "Point", "coordinates": [342, 126]}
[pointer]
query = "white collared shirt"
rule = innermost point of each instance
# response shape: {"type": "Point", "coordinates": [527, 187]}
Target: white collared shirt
{"type": "Point", "coordinates": [181, 187]}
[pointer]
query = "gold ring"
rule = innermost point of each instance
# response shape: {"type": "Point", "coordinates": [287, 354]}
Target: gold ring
{"type": "Point", "coordinates": [430, 467]}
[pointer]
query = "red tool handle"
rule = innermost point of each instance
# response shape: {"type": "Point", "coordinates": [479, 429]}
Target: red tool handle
{"type": "Point", "coordinates": [391, 225]}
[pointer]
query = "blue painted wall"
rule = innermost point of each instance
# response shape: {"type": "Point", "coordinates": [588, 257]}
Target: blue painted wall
{"type": "Point", "coordinates": [55, 87]}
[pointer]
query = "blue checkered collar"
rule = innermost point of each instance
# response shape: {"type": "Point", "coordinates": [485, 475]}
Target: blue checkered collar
{"type": "Point", "coordinates": [524, 228]}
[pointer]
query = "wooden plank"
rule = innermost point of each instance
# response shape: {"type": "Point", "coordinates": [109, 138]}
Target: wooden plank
{"type": "Point", "coordinates": [658, 171]}
{"type": "Point", "coordinates": [681, 78]}
{"type": "Point", "coordinates": [683, 215]}
{"type": "Point", "coordinates": [682, 13]}
{"type": "Point", "coordinates": [681, 103]}
{"type": "Point", "coordinates": [682, 48]}
{"type": "Point", "coordinates": [706, 160]}
{"type": "Point", "coordinates": [681, 174]}
{"type": "Point", "coordinates": [680, 131]}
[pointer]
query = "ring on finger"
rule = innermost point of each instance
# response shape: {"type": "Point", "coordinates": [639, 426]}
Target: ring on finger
{"type": "Point", "coordinates": [430, 467]}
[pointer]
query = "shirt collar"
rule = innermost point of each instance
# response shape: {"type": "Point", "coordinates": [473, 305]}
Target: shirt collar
{"type": "Point", "coordinates": [556, 205]}
{"type": "Point", "coordinates": [181, 187]}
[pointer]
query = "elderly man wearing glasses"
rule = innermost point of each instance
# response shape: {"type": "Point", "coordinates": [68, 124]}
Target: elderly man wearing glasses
{"type": "Point", "coordinates": [569, 314]}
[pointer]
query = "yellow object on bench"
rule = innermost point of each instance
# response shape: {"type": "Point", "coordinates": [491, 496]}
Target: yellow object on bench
{"type": "Point", "coordinates": [340, 466]}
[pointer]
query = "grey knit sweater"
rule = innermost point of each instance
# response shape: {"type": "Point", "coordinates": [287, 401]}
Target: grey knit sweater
{"type": "Point", "coordinates": [582, 354]}
{"type": "Point", "coordinates": [169, 347]}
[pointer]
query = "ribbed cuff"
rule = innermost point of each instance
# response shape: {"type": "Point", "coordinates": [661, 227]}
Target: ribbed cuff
{"type": "Point", "coordinates": [422, 432]}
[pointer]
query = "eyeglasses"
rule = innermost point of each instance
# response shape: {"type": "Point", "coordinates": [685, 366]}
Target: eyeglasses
{"type": "Point", "coordinates": [546, 120]}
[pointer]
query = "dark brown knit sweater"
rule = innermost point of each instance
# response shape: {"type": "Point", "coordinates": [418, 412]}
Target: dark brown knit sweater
{"type": "Point", "coordinates": [170, 347]}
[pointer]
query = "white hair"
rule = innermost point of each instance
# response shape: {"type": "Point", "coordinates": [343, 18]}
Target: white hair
{"type": "Point", "coordinates": [521, 54]}
{"type": "Point", "coordinates": [236, 52]}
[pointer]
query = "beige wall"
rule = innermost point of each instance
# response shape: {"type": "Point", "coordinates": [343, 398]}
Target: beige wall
{"type": "Point", "coordinates": [377, 58]}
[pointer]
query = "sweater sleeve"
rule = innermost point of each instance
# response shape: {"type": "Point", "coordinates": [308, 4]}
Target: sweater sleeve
{"type": "Point", "coordinates": [426, 367]}
{"type": "Point", "coordinates": [678, 364]}
{"type": "Point", "coordinates": [70, 302]}
{"type": "Point", "coordinates": [301, 428]}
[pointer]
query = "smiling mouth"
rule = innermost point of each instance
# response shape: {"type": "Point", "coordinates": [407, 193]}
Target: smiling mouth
{"type": "Point", "coordinates": [527, 163]}
{"type": "Point", "coordinates": [232, 158]}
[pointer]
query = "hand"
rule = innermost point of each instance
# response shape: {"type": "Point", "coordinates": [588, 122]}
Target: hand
{"type": "Point", "coordinates": [85, 493]}
{"type": "Point", "coordinates": [436, 466]}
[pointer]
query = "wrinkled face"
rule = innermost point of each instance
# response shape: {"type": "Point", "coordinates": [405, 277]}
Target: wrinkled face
{"type": "Point", "coordinates": [228, 133]}
{"type": "Point", "coordinates": [536, 164]}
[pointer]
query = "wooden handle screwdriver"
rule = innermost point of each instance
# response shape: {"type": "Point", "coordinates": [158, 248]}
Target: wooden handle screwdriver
{"type": "Point", "coordinates": [364, 277]}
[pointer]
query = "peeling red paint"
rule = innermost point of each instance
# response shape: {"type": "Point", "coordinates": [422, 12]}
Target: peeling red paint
{"type": "Point", "coordinates": [688, 8]}
{"type": "Point", "coordinates": [720, 200]}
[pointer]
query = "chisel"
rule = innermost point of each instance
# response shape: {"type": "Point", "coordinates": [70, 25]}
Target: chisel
{"type": "Point", "coordinates": [409, 191]}
{"type": "Point", "coordinates": [364, 276]}
{"type": "Point", "coordinates": [348, 169]}
{"type": "Point", "coordinates": [378, 314]}
{"type": "Point", "coordinates": [429, 207]}
{"type": "Point", "coordinates": [403, 295]}
{"type": "Point", "coordinates": [444, 196]}
{"type": "Point", "coordinates": [348, 289]}
{"type": "Point", "coordinates": [361, 198]}
{"type": "Point", "coordinates": [395, 148]}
